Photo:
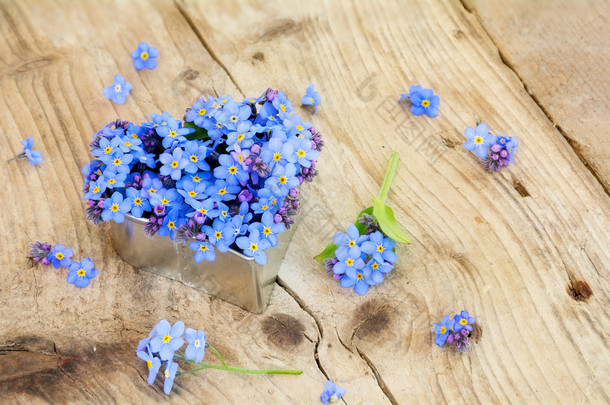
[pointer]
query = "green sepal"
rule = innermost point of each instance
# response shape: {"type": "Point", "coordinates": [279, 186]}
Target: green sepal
{"type": "Point", "coordinates": [199, 134]}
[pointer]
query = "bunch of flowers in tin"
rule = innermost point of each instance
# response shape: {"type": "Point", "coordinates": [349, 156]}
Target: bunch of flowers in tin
{"type": "Point", "coordinates": [362, 256]}
{"type": "Point", "coordinates": [224, 177]}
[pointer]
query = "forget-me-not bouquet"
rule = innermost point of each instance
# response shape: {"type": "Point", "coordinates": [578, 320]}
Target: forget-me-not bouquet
{"type": "Point", "coordinates": [225, 177]}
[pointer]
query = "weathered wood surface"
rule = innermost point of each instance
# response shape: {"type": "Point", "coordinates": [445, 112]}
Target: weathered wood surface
{"type": "Point", "coordinates": [507, 247]}
{"type": "Point", "coordinates": [560, 51]}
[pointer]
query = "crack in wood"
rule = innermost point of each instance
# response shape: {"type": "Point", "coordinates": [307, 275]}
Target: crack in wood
{"type": "Point", "coordinates": [380, 382]}
{"type": "Point", "coordinates": [205, 44]}
{"type": "Point", "coordinates": [573, 144]}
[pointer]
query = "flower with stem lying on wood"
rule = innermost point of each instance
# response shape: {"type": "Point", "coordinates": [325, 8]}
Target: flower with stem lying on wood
{"type": "Point", "coordinates": [365, 253]}
{"type": "Point", "coordinates": [34, 156]}
{"type": "Point", "coordinates": [162, 347]}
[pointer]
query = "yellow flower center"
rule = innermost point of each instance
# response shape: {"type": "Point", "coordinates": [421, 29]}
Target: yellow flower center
{"type": "Point", "coordinates": [203, 248]}
{"type": "Point", "coordinates": [197, 343]}
{"type": "Point", "coordinates": [203, 210]}
{"type": "Point", "coordinates": [282, 107]}
{"type": "Point", "coordinates": [149, 363]}
{"type": "Point", "coordinates": [117, 88]}
{"type": "Point", "coordinates": [222, 191]}
{"type": "Point", "coordinates": [144, 55]}
{"type": "Point", "coordinates": [425, 103]}
{"type": "Point", "coordinates": [301, 153]}
{"type": "Point", "coordinates": [137, 201]}
{"type": "Point", "coordinates": [201, 111]}
{"type": "Point", "coordinates": [117, 162]}
{"type": "Point", "coordinates": [127, 143]}
{"type": "Point", "coordinates": [173, 134]}
{"type": "Point", "coordinates": [351, 243]}
{"type": "Point", "coordinates": [217, 235]}
{"type": "Point", "coordinates": [282, 180]}
{"type": "Point", "coordinates": [166, 373]}
{"type": "Point", "coordinates": [175, 164]}
{"type": "Point", "coordinates": [196, 179]}
{"type": "Point", "coordinates": [171, 224]}
{"type": "Point", "coordinates": [240, 137]}
{"type": "Point", "coordinates": [443, 330]}
{"type": "Point", "coordinates": [166, 338]}
{"type": "Point", "coordinates": [192, 194]}
{"type": "Point", "coordinates": [232, 169]}
{"type": "Point", "coordinates": [478, 140]}
{"type": "Point", "coordinates": [81, 272]}
{"type": "Point", "coordinates": [264, 207]}
{"type": "Point", "coordinates": [152, 191]}
{"type": "Point", "coordinates": [193, 158]}
{"type": "Point", "coordinates": [277, 157]}
{"type": "Point", "coordinates": [134, 136]}
{"type": "Point", "coordinates": [267, 231]}
{"type": "Point", "coordinates": [349, 262]}
{"type": "Point", "coordinates": [299, 127]}
{"type": "Point", "coordinates": [96, 190]}
{"type": "Point", "coordinates": [218, 125]}
{"type": "Point", "coordinates": [240, 158]}
{"type": "Point", "coordinates": [107, 150]}
{"type": "Point", "coordinates": [59, 256]}
{"type": "Point", "coordinates": [225, 213]}
{"type": "Point", "coordinates": [375, 266]}
{"type": "Point", "coordinates": [312, 100]}
{"type": "Point", "coordinates": [253, 247]}
{"type": "Point", "coordinates": [360, 276]}
{"type": "Point", "coordinates": [272, 118]}
{"type": "Point", "coordinates": [380, 248]}
{"type": "Point", "coordinates": [464, 321]}
{"type": "Point", "coordinates": [114, 207]}
{"type": "Point", "coordinates": [111, 181]}
{"type": "Point", "coordinates": [165, 201]}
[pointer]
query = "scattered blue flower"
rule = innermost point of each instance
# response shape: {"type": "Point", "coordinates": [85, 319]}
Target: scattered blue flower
{"type": "Point", "coordinates": [60, 256]}
{"type": "Point", "coordinates": [144, 57]}
{"type": "Point", "coordinates": [168, 339]}
{"type": "Point", "coordinates": [423, 101]}
{"type": "Point", "coordinates": [196, 345]}
{"type": "Point", "coordinates": [463, 320]}
{"type": "Point", "coordinates": [80, 274]}
{"type": "Point", "coordinates": [479, 140]}
{"type": "Point", "coordinates": [118, 91]}
{"type": "Point", "coordinates": [311, 97]}
{"type": "Point", "coordinates": [442, 330]}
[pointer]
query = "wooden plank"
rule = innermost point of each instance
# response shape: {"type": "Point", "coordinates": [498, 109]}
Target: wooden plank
{"type": "Point", "coordinates": [560, 51]}
{"type": "Point", "coordinates": [504, 246]}
{"type": "Point", "coordinates": [56, 58]}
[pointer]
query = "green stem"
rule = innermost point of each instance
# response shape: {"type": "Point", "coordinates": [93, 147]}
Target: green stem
{"type": "Point", "coordinates": [205, 366]}
{"type": "Point", "coordinates": [217, 354]}
{"type": "Point", "coordinates": [387, 180]}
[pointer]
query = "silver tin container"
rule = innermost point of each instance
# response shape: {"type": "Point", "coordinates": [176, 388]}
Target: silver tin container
{"type": "Point", "coordinates": [232, 277]}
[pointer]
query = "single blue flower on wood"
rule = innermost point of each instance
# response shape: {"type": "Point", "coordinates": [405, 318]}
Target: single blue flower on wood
{"type": "Point", "coordinates": [311, 97]}
{"type": "Point", "coordinates": [60, 256]}
{"type": "Point", "coordinates": [332, 393]}
{"type": "Point", "coordinates": [144, 57]}
{"type": "Point", "coordinates": [442, 330]}
{"type": "Point", "coordinates": [479, 139]}
{"type": "Point", "coordinates": [170, 373]}
{"type": "Point", "coordinates": [168, 339]}
{"type": "Point", "coordinates": [463, 320]}
{"type": "Point", "coordinates": [80, 274]}
{"type": "Point", "coordinates": [118, 91]}
{"type": "Point", "coordinates": [423, 101]}
{"type": "Point", "coordinates": [196, 344]}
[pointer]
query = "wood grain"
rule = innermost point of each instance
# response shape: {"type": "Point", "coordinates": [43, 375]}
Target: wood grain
{"type": "Point", "coordinates": [512, 247]}
{"type": "Point", "coordinates": [560, 51]}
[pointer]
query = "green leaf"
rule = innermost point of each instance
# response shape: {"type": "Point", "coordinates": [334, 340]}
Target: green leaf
{"type": "Point", "coordinates": [387, 222]}
{"type": "Point", "coordinates": [199, 134]}
{"type": "Point", "coordinates": [327, 253]}
{"type": "Point", "coordinates": [383, 213]}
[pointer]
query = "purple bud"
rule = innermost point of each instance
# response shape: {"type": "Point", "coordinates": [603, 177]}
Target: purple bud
{"type": "Point", "coordinates": [282, 211]}
{"type": "Point", "coordinates": [495, 156]}
{"type": "Point", "coordinates": [256, 149]}
{"type": "Point", "coordinates": [91, 203]}
{"type": "Point", "coordinates": [160, 221]}
{"type": "Point", "coordinates": [313, 163]}
{"type": "Point", "coordinates": [46, 246]}
{"type": "Point", "coordinates": [464, 332]}
{"type": "Point", "coordinates": [496, 148]}
{"type": "Point", "coordinates": [338, 276]}
{"type": "Point", "coordinates": [200, 237]}
{"type": "Point", "coordinates": [503, 153]}
{"type": "Point", "coordinates": [244, 195]}
{"type": "Point", "coordinates": [293, 193]}
{"type": "Point", "coordinates": [295, 203]}
{"type": "Point", "coordinates": [36, 259]}
{"type": "Point", "coordinates": [100, 204]}
{"type": "Point", "coordinates": [277, 218]}
{"type": "Point", "coordinates": [270, 94]}
{"type": "Point", "coordinates": [45, 261]}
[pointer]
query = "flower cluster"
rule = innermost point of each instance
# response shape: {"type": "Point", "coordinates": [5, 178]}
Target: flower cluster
{"type": "Point", "coordinates": [423, 101]}
{"type": "Point", "coordinates": [34, 156]}
{"type": "Point", "coordinates": [79, 273]}
{"type": "Point", "coordinates": [225, 178]}
{"type": "Point", "coordinates": [455, 330]}
{"type": "Point", "coordinates": [162, 347]}
{"type": "Point", "coordinates": [495, 151]}
{"type": "Point", "coordinates": [362, 259]}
